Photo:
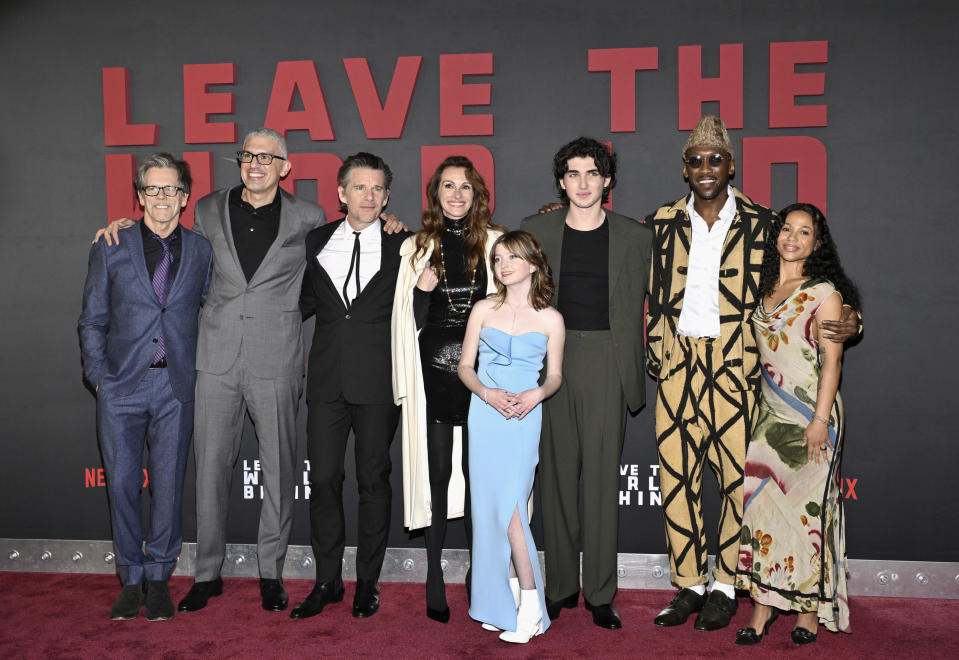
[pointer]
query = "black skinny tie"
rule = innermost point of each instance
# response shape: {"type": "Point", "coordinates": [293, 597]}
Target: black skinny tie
{"type": "Point", "coordinates": [354, 263]}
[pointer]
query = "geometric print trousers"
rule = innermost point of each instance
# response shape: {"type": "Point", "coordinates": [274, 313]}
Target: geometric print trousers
{"type": "Point", "coordinates": [700, 420]}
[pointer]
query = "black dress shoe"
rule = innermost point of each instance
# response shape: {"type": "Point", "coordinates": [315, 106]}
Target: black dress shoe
{"type": "Point", "coordinates": [555, 607]}
{"type": "Point", "coordinates": [802, 636]}
{"type": "Point", "coordinates": [443, 616]}
{"type": "Point", "coordinates": [322, 595]}
{"type": "Point", "coordinates": [199, 594]}
{"type": "Point", "coordinates": [604, 616]}
{"type": "Point", "coordinates": [273, 594]}
{"type": "Point", "coordinates": [749, 636]}
{"type": "Point", "coordinates": [159, 603]}
{"type": "Point", "coordinates": [683, 604]}
{"type": "Point", "coordinates": [128, 603]}
{"type": "Point", "coordinates": [717, 611]}
{"type": "Point", "coordinates": [366, 601]}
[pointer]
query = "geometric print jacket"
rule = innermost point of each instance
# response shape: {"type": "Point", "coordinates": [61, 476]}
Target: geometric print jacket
{"type": "Point", "coordinates": [739, 268]}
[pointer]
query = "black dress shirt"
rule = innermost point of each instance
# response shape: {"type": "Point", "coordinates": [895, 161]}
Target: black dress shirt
{"type": "Point", "coordinates": [254, 229]}
{"type": "Point", "coordinates": [153, 251]}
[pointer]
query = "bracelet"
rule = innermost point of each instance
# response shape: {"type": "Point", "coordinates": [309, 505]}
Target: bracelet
{"type": "Point", "coordinates": [820, 419]}
{"type": "Point", "coordinates": [484, 396]}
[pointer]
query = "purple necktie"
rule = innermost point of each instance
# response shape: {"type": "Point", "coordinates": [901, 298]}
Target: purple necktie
{"type": "Point", "coordinates": [161, 286]}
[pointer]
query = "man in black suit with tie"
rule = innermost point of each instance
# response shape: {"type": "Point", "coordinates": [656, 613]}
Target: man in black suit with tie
{"type": "Point", "coordinates": [350, 278]}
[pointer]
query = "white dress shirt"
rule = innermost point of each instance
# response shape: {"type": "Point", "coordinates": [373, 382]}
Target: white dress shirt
{"type": "Point", "coordinates": [336, 255]}
{"type": "Point", "coordinates": [699, 316]}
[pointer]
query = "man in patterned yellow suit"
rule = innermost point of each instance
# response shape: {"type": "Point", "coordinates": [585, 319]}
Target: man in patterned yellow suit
{"type": "Point", "coordinates": [707, 253]}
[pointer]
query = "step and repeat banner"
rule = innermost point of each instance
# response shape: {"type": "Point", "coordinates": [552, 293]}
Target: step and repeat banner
{"type": "Point", "coordinates": [846, 105]}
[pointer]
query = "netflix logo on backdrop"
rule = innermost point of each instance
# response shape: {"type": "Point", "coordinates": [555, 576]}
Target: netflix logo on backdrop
{"type": "Point", "coordinates": [297, 83]}
{"type": "Point", "coordinates": [97, 478]}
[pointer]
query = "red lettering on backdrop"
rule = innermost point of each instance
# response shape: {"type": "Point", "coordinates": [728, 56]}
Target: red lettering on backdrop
{"type": "Point", "coordinates": [851, 488]}
{"type": "Point", "coordinates": [785, 84]}
{"type": "Point", "coordinates": [727, 89]}
{"type": "Point", "coordinates": [622, 64]}
{"type": "Point", "coordinates": [117, 129]}
{"type": "Point", "coordinates": [292, 76]}
{"type": "Point", "coordinates": [201, 168]}
{"type": "Point", "coordinates": [383, 120]}
{"type": "Point", "coordinates": [321, 168]}
{"type": "Point", "coordinates": [432, 156]}
{"type": "Point", "coordinates": [198, 103]}
{"type": "Point", "coordinates": [456, 95]}
{"type": "Point", "coordinates": [808, 153]}
{"type": "Point", "coordinates": [122, 200]}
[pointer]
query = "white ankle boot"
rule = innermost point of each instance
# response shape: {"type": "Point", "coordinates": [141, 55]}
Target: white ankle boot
{"type": "Point", "coordinates": [529, 619]}
{"type": "Point", "coordinates": [514, 587]}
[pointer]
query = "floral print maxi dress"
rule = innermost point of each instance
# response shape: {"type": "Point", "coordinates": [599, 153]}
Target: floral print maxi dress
{"type": "Point", "coordinates": [792, 552]}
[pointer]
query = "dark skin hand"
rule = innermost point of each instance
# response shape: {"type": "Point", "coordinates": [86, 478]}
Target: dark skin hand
{"type": "Point", "coordinates": [844, 329]}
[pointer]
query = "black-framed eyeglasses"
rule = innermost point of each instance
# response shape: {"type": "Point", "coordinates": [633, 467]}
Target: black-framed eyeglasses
{"type": "Point", "coordinates": [696, 161]}
{"type": "Point", "coordinates": [168, 191]}
{"type": "Point", "coordinates": [262, 159]}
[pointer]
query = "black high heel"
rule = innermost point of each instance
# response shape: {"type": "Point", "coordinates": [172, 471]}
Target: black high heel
{"type": "Point", "coordinates": [749, 636]}
{"type": "Point", "coordinates": [802, 636]}
{"type": "Point", "coordinates": [443, 616]}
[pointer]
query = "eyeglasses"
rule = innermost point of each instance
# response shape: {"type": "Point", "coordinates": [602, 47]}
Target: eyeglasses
{"type": "Point", "coordinates": [168, 191]}
{"type": "Point", "coordinates": [262, 159]}
{"type": "Point", "coordinates": [714, 160]}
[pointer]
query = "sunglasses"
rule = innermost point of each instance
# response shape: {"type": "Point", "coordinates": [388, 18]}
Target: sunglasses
{"type": "Point", "coordinates": [714, 160]}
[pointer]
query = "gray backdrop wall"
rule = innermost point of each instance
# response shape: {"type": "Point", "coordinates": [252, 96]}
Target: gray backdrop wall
{"type": "Point", "coordinates": [879, 148]}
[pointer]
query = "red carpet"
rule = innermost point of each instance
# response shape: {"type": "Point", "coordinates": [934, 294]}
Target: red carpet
{"type": "Point", "coordinates": [66, 616]}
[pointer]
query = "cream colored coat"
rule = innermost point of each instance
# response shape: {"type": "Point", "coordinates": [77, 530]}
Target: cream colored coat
{"type": "Point", "coordinates": [408, 392]}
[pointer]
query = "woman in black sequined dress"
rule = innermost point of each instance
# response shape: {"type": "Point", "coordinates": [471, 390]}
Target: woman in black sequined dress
{"type": "Point", "coordinates": [444, 274]}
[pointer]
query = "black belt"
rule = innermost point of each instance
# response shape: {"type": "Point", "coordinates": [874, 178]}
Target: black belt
{"type": "Point", "coordinates": [159, 364]}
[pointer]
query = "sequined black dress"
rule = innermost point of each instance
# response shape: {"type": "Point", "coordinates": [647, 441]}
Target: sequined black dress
{"type": "Point", "coordinates": [442, 314]}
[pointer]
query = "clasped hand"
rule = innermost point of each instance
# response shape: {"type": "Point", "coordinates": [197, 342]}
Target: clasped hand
{"type": "Point", "coordinates": [511, 405]}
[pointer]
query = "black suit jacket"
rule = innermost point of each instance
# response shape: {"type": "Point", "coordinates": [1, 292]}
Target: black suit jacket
{"type": "Point", "coordinates": [350, 356]}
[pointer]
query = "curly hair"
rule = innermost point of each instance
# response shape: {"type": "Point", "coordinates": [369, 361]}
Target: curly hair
{"type": "Point", "coordinates": [605, 159]}
{"type": "Point", "coordinates": [823, 263]}
{"type": "Point", "coordinates": [478, 221]}
{"type": "Point", "coordinates": [525, 246]}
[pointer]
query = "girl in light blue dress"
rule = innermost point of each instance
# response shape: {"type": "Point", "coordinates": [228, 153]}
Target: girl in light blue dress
{"type": "Point", "coordinates": [512, 331]}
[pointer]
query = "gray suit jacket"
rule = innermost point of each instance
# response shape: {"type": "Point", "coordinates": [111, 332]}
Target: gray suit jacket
{"type": "Point", "coordinates": [630, 245]}
{"type": "Point", "coordinates": [264, 313]}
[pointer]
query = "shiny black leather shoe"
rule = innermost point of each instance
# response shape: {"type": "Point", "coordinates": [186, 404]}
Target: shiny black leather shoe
{"type": "Point", "coordinates": [555, 607]}
{"type": "Point", "coordinates": [273, 595]}
{"type": "Point", "coordinates": [366, 600]}
{"type": "Point", "coordinates": [604, 616]}
{"type": "Point", "coordinates": [717, 612]}
{"type": "Point", "coordinates": [749, 636]}
{"type": "Point", "coordinates": [322, 595]}
{"type": "Point", "coordinates": [128, 603]}
{"type": "Point", "coordinates": [199, 594]}
{"type": "Point", "coordinates": [680, 607]}
{"type": "Point", "coordinates": [801, 636]}
{"type": "Point", "coordinates": [443, 616]}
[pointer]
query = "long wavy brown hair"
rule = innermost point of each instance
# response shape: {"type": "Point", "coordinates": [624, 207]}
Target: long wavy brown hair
{"type": "Point", "coordinates": [477, 222]}
{"type": "Point", "coordinates": [525, 246]}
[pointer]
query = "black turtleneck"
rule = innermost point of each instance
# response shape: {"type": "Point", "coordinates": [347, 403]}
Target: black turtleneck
{"type": "Point", "coordinates": [457, 283]}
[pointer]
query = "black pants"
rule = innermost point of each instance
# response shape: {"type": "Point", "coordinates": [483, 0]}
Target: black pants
{"type": "Point", "coordinates": [328, 427]}
{"type": "Point", "coordinates": [439, 448]}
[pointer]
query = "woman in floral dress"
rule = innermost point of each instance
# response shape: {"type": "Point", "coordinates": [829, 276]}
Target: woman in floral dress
{"type": "Point", "coordinates": [792, 553]}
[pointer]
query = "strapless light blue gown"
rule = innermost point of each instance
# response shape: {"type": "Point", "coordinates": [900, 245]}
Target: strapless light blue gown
{"type": "Point", "coordinates": [503, 454]}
